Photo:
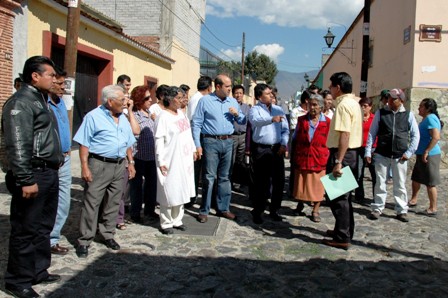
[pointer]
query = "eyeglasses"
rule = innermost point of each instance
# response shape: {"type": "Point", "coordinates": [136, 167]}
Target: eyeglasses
{"type": "Point", "coordinates": [147, 98]}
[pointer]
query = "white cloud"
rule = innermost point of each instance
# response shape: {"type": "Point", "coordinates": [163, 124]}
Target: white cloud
{"type": "Point", "coordinates": [289, 13]}
{"type": "Point", "coordinates": [231, 54]}
{"type": "Point", "coordinates": [271, 50]}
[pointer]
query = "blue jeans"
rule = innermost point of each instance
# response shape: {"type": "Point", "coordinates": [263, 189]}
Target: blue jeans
{"type": "Point", "coordinates": [217, 155]}
{"type": "Point", "coordinates": [65, 183]}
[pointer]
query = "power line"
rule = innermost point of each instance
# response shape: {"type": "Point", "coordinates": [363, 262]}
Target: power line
{"type": "Point", "coordinates": [208, 29]}
{"type": "Point", "coordinates": [213, 34]}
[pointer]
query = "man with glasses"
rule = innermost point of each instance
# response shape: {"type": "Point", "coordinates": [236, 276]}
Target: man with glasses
{"type": "Point", "coordinates": [105, 139]}
{"type": "Point", "coordinates": [398, 138]}
{"type": "Point", "coordinates": [34, 156]}
{"type": "Point", "coordinates": [65, 175]}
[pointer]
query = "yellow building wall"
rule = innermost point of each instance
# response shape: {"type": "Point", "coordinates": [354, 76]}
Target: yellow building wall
{"type": "Point", "coordinates": [186, 70]}
{"type": "Point", "coordinates": [134, 62]}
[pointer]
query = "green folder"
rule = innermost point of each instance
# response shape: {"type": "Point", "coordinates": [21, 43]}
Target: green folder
{"type": "Point", "coordinates": [336, 187]}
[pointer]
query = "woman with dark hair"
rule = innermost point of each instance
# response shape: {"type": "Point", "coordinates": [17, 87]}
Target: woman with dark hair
{"type": "Point", "coordinates": [144, 157]}
{"type": "Point", "coordinates": [426, 169]}
{"type": "Point", "coordinates": [366, 106]}
{"type": "Point", "coordinates": [157, 108]}
{"type": "Point", "coordinates": [175, 153]}
{"type": "Point", "coordinates": [328, 104]}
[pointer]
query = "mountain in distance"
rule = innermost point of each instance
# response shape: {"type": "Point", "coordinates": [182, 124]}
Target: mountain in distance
{"type": "Point", "coordinates": [288, 83]}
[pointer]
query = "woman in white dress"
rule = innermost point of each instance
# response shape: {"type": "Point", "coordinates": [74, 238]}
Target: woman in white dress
{"type": "Point", "coordinates": [175, 153]}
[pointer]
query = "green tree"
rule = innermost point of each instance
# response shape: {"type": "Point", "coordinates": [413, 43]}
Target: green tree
{"type": "Point", "coordinates": [260, 67]}
{"type": "Point", "coordinates": [232, 69]}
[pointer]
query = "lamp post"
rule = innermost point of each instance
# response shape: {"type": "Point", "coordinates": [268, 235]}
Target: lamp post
{"type": "Point", "coordinates": [329, 38]}
{"type": "Point", "coordinates": [307, 79]}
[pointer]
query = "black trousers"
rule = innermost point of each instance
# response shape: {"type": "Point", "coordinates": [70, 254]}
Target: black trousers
{"type": "Point", "coordinates": [32, 221]}
{"type": "Point", "coordinates": [362, 163]}
{"type": "Point", "coordinates": [341, 207]}
{"type": "Point", "coordinates": [269, 174]}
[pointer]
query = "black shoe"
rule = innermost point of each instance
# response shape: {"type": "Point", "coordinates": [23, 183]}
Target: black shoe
{"type": "Point", "coordinates": [275, 216]}
{"type": "Point", "coordinates": [167, 231]}
{"type": "Point", "coordinates": [152, 215]}
{"type": "Point", "coordinates": [256, 218]}
{"type": "Point", "coordinates": [82, 251]}
{"type": "Point", "coordinates": [51, 278]}
{"type": "Point", "coordinates": [181, 228]}
{"type": "Point", "coordinates": [112, 244]}
{"type": "Point", "coordinates": [21, 293]}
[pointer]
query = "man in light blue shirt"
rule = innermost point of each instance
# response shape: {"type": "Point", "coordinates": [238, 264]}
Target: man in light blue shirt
{"type": "Point", "coordinates": [270, 134]}
{"type": "Point", "coordinates": [105, 138]}
{"type": "Point", "coordinates": [64, 173]}
{"type": "Point", "coordinates": [212, 134]}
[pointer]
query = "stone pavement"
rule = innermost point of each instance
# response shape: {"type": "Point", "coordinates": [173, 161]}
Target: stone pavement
{"type": "Point", "coordinates": [388, 258]}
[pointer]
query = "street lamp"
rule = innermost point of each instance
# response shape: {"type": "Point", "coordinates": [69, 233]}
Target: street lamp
{"type": "Point", "coordinates": [329, 38]}
{"type": "Point", "coordinates": [307, 79]}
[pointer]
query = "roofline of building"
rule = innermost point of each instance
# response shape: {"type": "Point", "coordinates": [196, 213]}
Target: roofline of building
{"type": "Point", "coordinates": [109, 27]}
{"type": "Point", "coordinates": [349, 30]}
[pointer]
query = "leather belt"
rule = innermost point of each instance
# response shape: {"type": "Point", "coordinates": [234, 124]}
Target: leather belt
{"type": "Point", "coordinates": [41, 164]}
{"type": "Point", "coordinates": [238, 133]}
{"type": "Point", "coordinates": [267, 146]}
{"type": "Point", "coordinates": [106, 159]}
{"type": "Point", "coordinates": [221, 137]}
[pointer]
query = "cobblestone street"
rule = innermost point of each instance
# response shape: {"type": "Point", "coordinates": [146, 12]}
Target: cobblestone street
{"type": "Point", "coordinates": [388, 258]}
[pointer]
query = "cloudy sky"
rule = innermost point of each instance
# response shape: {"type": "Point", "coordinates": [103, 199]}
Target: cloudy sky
{"type": "Point", "coordinates": [289, 31]}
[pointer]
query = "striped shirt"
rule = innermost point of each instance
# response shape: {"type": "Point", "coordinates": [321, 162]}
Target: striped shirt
{"type": "Point", "coordinates": [144, 148]}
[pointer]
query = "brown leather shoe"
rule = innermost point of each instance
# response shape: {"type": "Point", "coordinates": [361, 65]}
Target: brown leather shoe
{"type": "Point", "coordinates": [227, 214]}
{"type": "Point", "coordinates": [202, 218]}
{"type": "Point", "coordinates": [332, 243]}
{"type": "Point", "coordinates": [59, 250]}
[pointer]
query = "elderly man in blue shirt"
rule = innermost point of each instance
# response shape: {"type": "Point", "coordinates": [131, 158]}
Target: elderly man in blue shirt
{"type": "Point", "coordinates": [270, 134]}
{"type": "Point", "coordinates": [105, 138]}
{"type": "Point", "coordinates": [212, 134]}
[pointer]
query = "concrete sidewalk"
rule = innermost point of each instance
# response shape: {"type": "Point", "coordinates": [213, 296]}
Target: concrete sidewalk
{"type": "Point", "coordinates": [388, 258]}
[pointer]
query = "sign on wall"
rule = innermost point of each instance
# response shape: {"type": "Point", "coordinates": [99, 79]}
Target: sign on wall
{"type": "Point", "coordinates": [430, 33]}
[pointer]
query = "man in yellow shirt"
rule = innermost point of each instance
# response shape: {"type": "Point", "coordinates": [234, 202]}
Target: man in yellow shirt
{"type": "Point", "coordinates": [344, 139]}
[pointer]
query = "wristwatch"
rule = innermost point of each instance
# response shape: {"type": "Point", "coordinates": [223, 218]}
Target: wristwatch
{"type": "Point", "coordinates": [337, 161]}
{"type": "Point", "coordinates": [132, 162]}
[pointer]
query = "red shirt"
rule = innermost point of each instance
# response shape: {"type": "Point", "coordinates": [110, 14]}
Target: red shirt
{"type": "Point", "coordinates": [365, 130]}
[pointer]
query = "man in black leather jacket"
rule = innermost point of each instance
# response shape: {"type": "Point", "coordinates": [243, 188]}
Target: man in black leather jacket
{"type": "Point", "coordinates": [34, 155]}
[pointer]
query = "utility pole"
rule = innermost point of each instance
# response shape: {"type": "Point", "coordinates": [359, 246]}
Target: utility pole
{"type": "Point", "coordinates": [71, 50]}
{"type": "Point", "coordinates": [365, 49]}
{"type": "Point", "coordinates": [242, 58]}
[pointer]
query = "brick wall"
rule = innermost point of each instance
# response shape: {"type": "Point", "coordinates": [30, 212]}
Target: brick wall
{"type": "Point", "coordinates": [144, 18]}
{"type": "Point", "coordinates": [139, 17]}
{"type": "Point", "coordinates": [6, 51]}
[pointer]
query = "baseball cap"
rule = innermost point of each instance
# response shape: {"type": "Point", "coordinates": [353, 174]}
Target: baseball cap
{"type": "Point", "coordinates": [384, 93]}
{"type": "Point", "coordinates": [397, 93]}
